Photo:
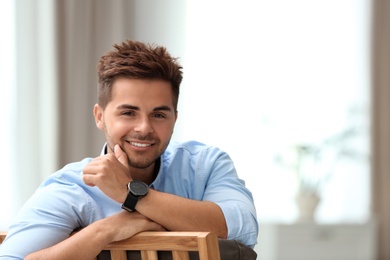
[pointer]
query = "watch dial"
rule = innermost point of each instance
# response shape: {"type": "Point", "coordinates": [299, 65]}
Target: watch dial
{"type": "Point", "coordinates": [138, 187]}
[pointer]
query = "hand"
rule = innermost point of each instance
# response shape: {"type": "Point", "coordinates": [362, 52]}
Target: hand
{"type": "Point", "coordinates": [125, 224]}
{"type": "Point", "coordinates": [90, 241]}
{"type": "Point", "coordinates": [110, 173]}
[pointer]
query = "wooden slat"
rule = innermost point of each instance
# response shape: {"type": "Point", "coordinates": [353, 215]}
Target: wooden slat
{"type": "Point", "coordinates": [118, 255]}
{"type": "Point", "coordinates": [208, 247]}
{"type": "Point", "coordinates": [2, 236]}
{"type": "Point", "coordinates": [161, 240]}
{"type": "Point", "coordinates": [149, 255]}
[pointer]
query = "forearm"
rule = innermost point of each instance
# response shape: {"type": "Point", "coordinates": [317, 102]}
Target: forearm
{"type": "Point", "coordinates": [180, 214]}
{"type": "Point", "coordinates": [89, 242]}
{"type": "Point", "coordinates": [85, 244]}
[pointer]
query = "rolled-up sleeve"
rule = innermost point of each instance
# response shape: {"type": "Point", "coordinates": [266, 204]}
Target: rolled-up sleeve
{"type": "Point", "coordinates": [227, 190]}
{"type": "Point", "coordinates": [47, 218]}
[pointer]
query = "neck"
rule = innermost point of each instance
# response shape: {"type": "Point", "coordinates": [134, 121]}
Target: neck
{"type": "Point", "coordinates": [147, 175]}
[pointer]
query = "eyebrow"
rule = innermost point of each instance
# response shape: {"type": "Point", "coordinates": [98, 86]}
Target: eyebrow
{"type": "Point", "coordinates": [159, 108]}
{"type": "Point", "coordinates": [162, 108]}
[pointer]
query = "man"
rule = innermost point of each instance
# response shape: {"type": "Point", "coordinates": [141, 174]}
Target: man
{"type": "Point", "coordinates": [142, 180]}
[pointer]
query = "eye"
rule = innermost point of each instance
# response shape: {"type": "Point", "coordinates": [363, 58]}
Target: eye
{"type": "Point", "coordinates": [128, 113]}
{"type": "Point", "coordinates": [159, 115]}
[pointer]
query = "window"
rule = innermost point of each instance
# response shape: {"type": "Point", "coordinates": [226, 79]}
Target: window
{"type": "Point", "coordinates": [261, 76]}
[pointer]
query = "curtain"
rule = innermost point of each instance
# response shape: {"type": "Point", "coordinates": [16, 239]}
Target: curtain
{"type": "Point", "coordinates": [34, 113]}
{"type": "Point", "coordinates": [381, 123]}
{"type": "Point", "coordinates": [85, 30]}
{"type": "Point", "coordinates": [7, 86]}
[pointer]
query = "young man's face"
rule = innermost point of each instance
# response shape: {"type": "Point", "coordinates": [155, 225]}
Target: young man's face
{"type": "Point", "coordinates": [140, 118]}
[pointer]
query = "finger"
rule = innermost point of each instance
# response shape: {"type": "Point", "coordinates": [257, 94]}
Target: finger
{"type": "Point", "coordinates": [88, 180]}
{"type": "Point", "coordinates": [120, 155]}
{"type": "Point", "coordinates": [91, 168]}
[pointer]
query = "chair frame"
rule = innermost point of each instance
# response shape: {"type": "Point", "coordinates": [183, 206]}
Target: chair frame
{"type": "Point", "coordinates": [148, 243]}
{"type": "Point", "coordinates": [2, 236]}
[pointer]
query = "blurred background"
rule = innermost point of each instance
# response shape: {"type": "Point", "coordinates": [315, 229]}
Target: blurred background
{"type": "Point", "coordinates": [294, 91]}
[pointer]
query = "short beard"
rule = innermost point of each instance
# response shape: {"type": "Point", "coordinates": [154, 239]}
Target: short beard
{"type": "Point", "coordinates": [143, 164]}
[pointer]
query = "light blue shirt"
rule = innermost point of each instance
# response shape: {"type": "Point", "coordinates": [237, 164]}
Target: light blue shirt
{"type": "Point", "coordinates": [191, 170]}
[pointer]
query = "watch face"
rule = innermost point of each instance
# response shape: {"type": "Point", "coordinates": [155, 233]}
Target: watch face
{"type": "Point", "coordinates": [138, 188]}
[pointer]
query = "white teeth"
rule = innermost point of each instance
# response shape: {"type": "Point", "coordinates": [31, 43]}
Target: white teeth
{"type": "Point", "coordinates": [140, 145]}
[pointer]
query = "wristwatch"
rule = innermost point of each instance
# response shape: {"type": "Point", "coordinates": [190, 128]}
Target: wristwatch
{"type": "Point", "coordinates": [137, 189]}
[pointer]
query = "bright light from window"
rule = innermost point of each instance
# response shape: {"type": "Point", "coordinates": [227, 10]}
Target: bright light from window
{"type": "Point", "coordinates": [261, 76]}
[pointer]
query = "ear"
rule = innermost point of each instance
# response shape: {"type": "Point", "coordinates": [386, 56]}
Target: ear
{"type": "Point", "coordinates": [174, 123]}
{"type": "Point", "coordinates": [99, 118]}
{"type": "Point", "coordinates": [176, 115]}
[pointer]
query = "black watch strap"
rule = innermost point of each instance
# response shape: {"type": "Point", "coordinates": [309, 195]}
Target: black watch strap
{"type": "Point", "coordinates": [130, 202]}
{"type": "Point", "coordinates": [136, 190]}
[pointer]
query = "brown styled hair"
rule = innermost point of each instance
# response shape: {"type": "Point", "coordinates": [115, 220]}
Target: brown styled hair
{"type": "Point", "coordinates": [137, 60]}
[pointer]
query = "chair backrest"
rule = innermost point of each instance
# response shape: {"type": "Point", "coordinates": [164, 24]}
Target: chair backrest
{"type": "Point", "coordinates": [2, 236]}
{"type": "Point", "coordinates": [149, 243]}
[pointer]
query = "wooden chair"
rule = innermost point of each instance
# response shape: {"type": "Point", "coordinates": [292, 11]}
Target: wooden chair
{"type": "Point", "coordinates": [180, 243]}
{"type": "Point", "coordinates": [2, 236]}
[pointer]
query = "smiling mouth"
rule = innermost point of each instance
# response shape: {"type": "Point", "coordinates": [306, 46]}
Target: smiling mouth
{"type": "Point", "coordinates": [140, 144]}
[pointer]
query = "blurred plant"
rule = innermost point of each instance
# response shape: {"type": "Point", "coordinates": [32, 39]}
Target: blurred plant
{"type": "Point", "coordinates": [314, 164]}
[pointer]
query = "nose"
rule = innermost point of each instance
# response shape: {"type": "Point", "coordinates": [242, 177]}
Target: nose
{"type": "Point", "coordinates": [143, 126]}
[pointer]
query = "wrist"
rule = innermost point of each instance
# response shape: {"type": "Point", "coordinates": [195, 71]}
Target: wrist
{"type": "Point", "coordinates": [136, 190]}
{"type": "Point", "coordinates": [104, 231]}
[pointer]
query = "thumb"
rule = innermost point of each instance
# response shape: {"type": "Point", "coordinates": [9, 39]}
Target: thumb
{"type": "Point", "coordinates": [121, 155]}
